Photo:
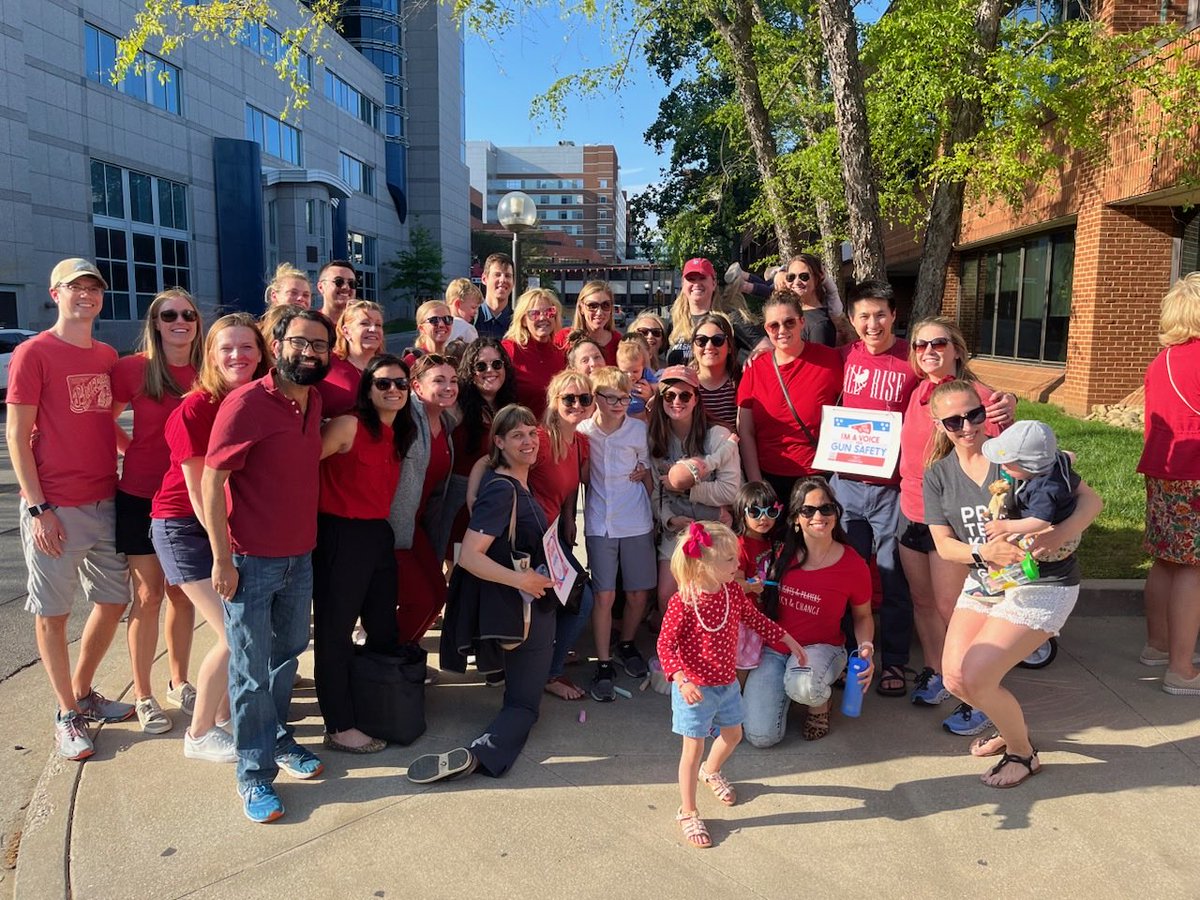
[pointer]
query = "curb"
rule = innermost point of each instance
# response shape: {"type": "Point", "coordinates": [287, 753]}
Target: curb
{"type": "Point", "coordinates": [1111, 597]}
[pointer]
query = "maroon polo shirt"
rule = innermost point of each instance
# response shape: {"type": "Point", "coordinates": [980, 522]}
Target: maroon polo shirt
{"type": "Point", "coordinates": [272, 450]}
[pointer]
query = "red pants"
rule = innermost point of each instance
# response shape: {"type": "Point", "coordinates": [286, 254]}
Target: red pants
{"type": "Point", "coordinates": [422, 592]}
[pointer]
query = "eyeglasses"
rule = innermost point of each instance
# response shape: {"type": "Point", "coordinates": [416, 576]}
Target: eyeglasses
{"type": "Point", "coordinates": [302, 344]}
{"type": "Point", "coordinates": [770, 512]}
{"type": "Point", "coordinates": [482, 365]}
{"type": "Point", "coordinates": [569, 400]}
{"type": "Point", "coordinates": [548, 312]}
{"type": "Point", "coordinates": [956, 423]}
{"type": "Point", "coordinates": [81, 289]}
{"type": "Point", "coordinates": [786, 325]}
{"type": "Point", "coordinates": [825, 509]}
{"type": "Point", "coordinates": [339, 282]}
{"type": "Point", "coordinates": [935, 343]}
{"type": "Point", "coordinates": [440, 320]}
{"type": "Point", "coordinates": [804, 277]}
{"type": "Point", "coordinates": [677, 396]}
{"type": "Point", "coordinates": [650, 332]}
{"type": "Point", "coordinates": [596, 305]}
{"type": "Point", "coordinates": [703, 340]}
{"type": "Point", "coordinates": [614, 399]}
{"type": "Point", "coordinates": [382, 384]}
{"type": "Point", "coordinates": [170, 315]}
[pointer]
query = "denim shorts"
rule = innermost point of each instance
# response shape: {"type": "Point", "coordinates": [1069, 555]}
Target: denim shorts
{"type": "Point", "coordinates": [720, 705]}
{"type": "Point", "coordinates": [183, 549]}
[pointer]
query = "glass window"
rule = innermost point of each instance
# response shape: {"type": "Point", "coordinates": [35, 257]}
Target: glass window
{"type": "Point", "coordinates": [1062, 274]}
{"type": "Point", "coordinates": [363, 255]}
{"type": "Point", "coordinates": [987, 313]}
{"type": "Point", "coordinates": [273, 136]}
{"type": "Point", "coordinates": [602, 199]}
{"type": "Point", "coordinates": [603, 182]}
{"type": "Point", "coordinates": [141, 203]}
{"type": "Point", "coordinates": [157, 83]}
{"type": "Point", "coordinates": [1006, 301]}
{"type": "Point", "coordinates": [108, 196]}
{"type": "Point", "coordinates": [1034, 288]}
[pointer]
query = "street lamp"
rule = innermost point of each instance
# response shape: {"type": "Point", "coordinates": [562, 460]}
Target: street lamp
{"type": "Point", "coordinates": [517, 212]}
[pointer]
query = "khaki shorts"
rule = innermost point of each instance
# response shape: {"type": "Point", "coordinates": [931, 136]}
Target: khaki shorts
{"type": "Point", "coordinates": [89, 561]}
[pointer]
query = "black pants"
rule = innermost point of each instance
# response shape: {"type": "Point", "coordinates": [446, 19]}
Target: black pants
{"type": "Point", "coordinates": [354, 577]}
{"type": "Point", "coordinates": [526, 670]}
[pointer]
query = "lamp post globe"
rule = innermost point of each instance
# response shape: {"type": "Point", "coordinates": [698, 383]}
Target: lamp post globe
{"type": "Point", "coordinates": [517, 212]}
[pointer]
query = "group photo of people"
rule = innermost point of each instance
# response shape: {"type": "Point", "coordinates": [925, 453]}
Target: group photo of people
{"type": "Point", "coordinates": [575, 512]}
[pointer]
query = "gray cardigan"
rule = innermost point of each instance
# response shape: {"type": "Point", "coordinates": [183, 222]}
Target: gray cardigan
{"type": "Point", "coordinates": [403, 515]}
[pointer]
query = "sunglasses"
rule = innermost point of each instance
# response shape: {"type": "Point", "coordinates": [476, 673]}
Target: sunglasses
{"type": "Point", "coordinates": [170, 315]}
{"type": "Point", "coordinates": [650, 332]}
{"type": "Point", "coordinates": [825, 509]}
{"type": "Point", "coordinates": [548, 313]}
{"type": "Point", "coordinates": [605, 305]}
{"type": "Point", "coordinates": [804, 277]}
{"type": "Point", "coordinates": [677, 396]}
{"type": "Point", "coordinates": [482, 365]}
{"type": "Point", "coordinates": [440, 320]}
{"type": "Point", "coordinates": [758, 512]}
{"type": "Point", "coordinates": [383, 384]}
{"type": "Point", "coordinates": [785, 325]}
{"type": "Point", "coordinates": [956, 423]}
{"type": "Point", "coordinates": [339, 282]}
{"type": "Point", "coordinates": [569, 400]}
{"type": "Point", "coordinates": [614, 399]}
{"type": "Point", "coordinates": [703, 340]}
{"type": "Point", "coordinates": [935, 343]}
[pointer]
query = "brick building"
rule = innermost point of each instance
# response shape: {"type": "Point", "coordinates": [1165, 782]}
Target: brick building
{"type": "Point", "coordinates": [1060, 299]}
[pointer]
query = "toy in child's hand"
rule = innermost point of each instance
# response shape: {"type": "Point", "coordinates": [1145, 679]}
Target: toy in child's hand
{"type": "Point", "coordinates": [996, 507]}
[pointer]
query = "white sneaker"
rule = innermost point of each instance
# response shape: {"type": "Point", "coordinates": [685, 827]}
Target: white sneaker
{"type": "Point", "coordinates": [151, 716]}
{"type": "Point", "coordinates": [215, 746]}
{"type": "Point", "coordinates": [182, 697]}
{"type": "Point", "coordinates": [1153, 657]}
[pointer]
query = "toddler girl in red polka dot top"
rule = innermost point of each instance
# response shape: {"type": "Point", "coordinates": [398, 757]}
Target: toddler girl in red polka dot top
{"type": "Point", "coordinates": [697, 645]}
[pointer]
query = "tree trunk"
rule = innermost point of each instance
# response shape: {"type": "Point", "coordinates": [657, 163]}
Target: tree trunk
{"type": "Point", "coordinates": [946, 206]}
{"type": "Point", "coordinates": [850, 114]}
{"type": "Point", "coordinates": [831, 253]}
{"type": "Point", "coordinates": [735, 33]}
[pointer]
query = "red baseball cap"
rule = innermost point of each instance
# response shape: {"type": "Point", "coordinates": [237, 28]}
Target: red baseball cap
{"type": "Point", "coordinates": [699, 265]}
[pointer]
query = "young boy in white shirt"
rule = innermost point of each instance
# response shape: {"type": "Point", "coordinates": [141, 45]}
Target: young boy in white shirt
{"type": "Point", "coordinates": [618, 526]}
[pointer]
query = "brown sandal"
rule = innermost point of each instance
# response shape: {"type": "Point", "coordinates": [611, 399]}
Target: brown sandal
{"type": "Point", "coordinates": [695, 832]}
{"type": "Point", "coordinates": [816, 726]}
{"type": "Point", "coordinates": [720, 786]}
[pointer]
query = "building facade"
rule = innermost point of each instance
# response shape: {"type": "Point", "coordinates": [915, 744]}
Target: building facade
{"type": "Point", "coordinates": [581, 207]}
{"type": "Point", "coordinates": [197, 179]}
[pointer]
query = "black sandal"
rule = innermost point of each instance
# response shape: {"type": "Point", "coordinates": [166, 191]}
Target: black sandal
{"type": "Point", "coordinates": [888, 679]}
{"type": "Point", "coordinates": [1026, 761]}
{"type": "Point", "coordinates": [980, 742]}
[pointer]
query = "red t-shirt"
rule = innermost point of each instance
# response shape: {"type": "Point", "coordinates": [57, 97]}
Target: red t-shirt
{"type": "Point", "coordinates": [707, 656]}
{"type": "Point", "coordinates": [339, 387]}
{"type": "Point", "coordinates": [916, 440]}
{"type": "Point", "coordinates": [359, 483]}
{"type": "Point", "coordinates": [608, 351]}
{"type": "Point", "coordinates": [74, 443]}
{"type": "Point", "coordinates": [1172, 429]}
{"type": "Point", "coordinates": [813, 380]}
{"type": "Point", "coordinates": [812, 603]}
{"type": "Point", "coordinates": [273, 451]}
{"type": "Point", "coordinates": [550, 482]}
{"type": "Point", "coordinates": [754, 556]}
{"type": "Point", "coordinates": [147, 457]}
{"type": "Point", "coordinates": [186, 433]}
{"type": "Point", "coordinates": [881, 381]}
{"type": "Point", "coordinates": [533, 367]}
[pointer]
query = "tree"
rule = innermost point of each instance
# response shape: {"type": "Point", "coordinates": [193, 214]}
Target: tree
{"type": "Point", "coordinates": [418, 269]}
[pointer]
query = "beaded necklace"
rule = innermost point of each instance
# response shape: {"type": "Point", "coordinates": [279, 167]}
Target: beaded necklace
{"type": "Point", "coordinates": [696, 609]}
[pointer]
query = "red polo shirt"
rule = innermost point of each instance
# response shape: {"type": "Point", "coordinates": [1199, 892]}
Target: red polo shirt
{"type": "Point", "coordinates": [272, 450]}
{"type": "Point", "coordinates": [533, 366]}
{"type": "Point", "coordinates": [339, 387]}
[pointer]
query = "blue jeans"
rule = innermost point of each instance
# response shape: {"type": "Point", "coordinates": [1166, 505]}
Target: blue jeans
{"type": "Point", "coordinates": [771, 688]}
{"type": "Point", "coordinates": [568, 629]}
{"type": "Point", "coordinates": [872, 520]}
{"type": "Point", "coordinates": [266, 624]}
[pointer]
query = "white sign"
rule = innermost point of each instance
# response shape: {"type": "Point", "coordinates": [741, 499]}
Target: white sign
{"type": "Point", "coordinates": [858, 441]}
{"type": "Point", "coordinates": [562, 573]}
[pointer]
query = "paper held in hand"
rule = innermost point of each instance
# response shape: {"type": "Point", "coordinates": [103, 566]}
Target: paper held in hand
{"type": "Point", "coordinates": [562, 573]}
{"type": "Point", "coordinates": [858, 441]}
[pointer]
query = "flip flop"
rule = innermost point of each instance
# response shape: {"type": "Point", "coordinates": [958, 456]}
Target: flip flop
{"type": "Point", "coordinates": [979, 742]}
{"type": "Point", "coordinates": [436, 766]}
{"type": "Point", "coordinates": [1026, 761]}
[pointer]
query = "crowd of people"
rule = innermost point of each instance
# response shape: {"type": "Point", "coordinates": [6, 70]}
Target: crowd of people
{"type": "Point", "coordinates": [287, 470]}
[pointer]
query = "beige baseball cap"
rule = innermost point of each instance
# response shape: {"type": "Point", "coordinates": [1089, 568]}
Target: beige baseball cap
{"type": "Point", "coordinates": [76, 267]}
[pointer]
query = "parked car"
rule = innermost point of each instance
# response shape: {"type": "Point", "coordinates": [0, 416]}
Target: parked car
{"type": "Point", "coordinates": [9, 338]}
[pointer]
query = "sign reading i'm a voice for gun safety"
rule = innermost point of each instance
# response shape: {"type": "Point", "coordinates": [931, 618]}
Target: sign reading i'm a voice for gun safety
{"type": "Point", "coordinates": [859, 441]}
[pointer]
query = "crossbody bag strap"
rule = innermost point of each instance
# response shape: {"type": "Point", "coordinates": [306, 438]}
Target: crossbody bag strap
{"type": "Point", "coordinates": [1171, 378]}
{"type": "Point", "coordinates": [795, 415]}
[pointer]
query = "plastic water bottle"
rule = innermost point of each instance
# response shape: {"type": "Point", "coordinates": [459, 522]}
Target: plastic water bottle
{"type": "Point", "coordinates": [852, 696]}
{"type": "Point", "coordinates": [1013, 575]}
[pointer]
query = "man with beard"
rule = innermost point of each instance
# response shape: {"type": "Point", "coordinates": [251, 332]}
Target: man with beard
{"type": "Point", "coordinates": [337, 282]}
{"type": "Point", "coordinates": [266, 445]}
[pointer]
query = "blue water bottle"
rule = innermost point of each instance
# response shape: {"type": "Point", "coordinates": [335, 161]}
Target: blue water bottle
{"type": "Point", "coordinates": [852, 697]}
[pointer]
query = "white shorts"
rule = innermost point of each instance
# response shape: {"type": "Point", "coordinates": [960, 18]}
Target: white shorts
{"type": "Point", "coordinates": [1042, 607]}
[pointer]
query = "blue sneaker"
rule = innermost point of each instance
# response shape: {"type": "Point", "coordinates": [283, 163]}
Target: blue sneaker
{"type": "Point", "coordinates": [300, 763]}
{"type": "Point", "coordinates": [966, 720]}
{"type": "Point", "coordinates": [929, 690]}
{"type": "Point", "coordinates": [260, 803]}
{"type": "Point", "coordinates": [95, 707]}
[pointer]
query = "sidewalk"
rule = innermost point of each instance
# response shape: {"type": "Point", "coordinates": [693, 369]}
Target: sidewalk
{"type": "Point", "coordinates": [888, 803]}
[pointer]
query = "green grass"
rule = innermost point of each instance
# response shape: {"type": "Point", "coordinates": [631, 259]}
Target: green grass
{"type": "Point", "coordinates": [1106, 457]}
{"type": "Point", "coordinates": [399, 325]}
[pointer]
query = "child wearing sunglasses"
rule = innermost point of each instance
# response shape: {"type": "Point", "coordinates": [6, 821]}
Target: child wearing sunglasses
{"type": "Point", "coordinates": [756, 511]}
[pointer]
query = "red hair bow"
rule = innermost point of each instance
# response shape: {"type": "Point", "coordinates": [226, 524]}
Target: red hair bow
{"type": "Point", "coordinates": [698, 537]}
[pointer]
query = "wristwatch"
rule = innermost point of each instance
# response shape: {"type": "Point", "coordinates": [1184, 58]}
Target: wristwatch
{"type": "Point", "coordinates": [975, 556]}
{"type": "Point", "coordinates": [36, 511]}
